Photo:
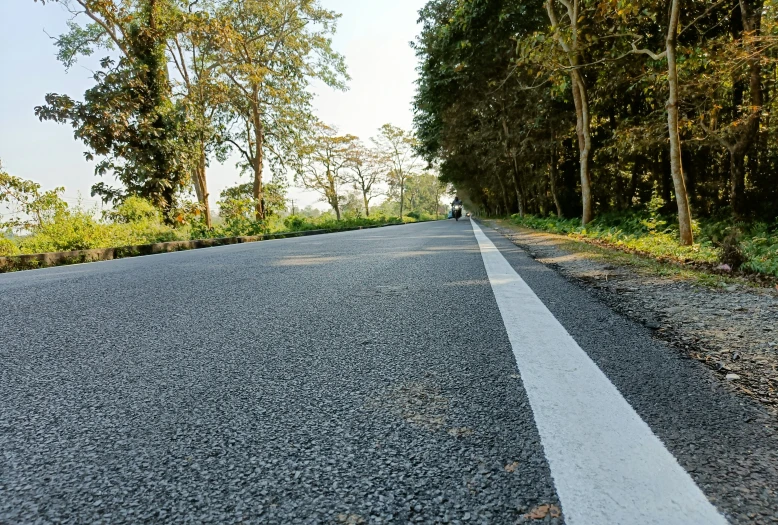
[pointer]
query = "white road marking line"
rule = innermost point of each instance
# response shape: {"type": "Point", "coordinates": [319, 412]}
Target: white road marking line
{"type": "Point", "coordinates": [607, 464]}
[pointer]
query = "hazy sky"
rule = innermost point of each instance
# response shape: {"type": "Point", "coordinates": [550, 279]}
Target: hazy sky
{"type": "Point", "coordinates": [373, 35]}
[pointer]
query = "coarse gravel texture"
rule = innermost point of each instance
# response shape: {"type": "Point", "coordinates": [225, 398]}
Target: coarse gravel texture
{"type": "Point", "coordinates": [726, 441]}
{"type": "Point", "coordinates": [360, 377]}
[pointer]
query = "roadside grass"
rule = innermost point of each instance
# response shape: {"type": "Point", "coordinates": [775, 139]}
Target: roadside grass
{"type": "Point", "coordinates": [646, 265]}
{"type": "Point", "coordinates": [667, 261]}
{"type": "Point", "coordinates": [751, 248]}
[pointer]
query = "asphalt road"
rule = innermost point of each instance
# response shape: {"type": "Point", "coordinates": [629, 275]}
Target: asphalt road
{"type": "Point", "coordinates": [358, 377]}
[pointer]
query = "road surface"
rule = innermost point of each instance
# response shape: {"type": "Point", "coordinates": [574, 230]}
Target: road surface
{"type": "Point", "coordinates": [429, 373]}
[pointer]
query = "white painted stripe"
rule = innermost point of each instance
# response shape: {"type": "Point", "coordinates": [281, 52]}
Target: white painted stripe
{"type": "Point", "coordinates": [607, 464]}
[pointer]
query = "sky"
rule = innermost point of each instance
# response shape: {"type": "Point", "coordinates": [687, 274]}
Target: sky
{"type": "Point", "coordinates": [373, 36]}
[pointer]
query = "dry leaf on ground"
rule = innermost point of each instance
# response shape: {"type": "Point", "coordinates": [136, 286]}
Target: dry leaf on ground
{"type": "Point", "coordinates": [460, 432]}
{"type": "Point", "coordinates": [541, 511]}
{"type": "Point", "coordinates": [351, 519]}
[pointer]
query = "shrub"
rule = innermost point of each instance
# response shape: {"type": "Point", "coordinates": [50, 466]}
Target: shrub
{"type": "Point", "coordinates": [135, 210]}
{"type": "Point", "coordinates": [296, 223]}
{"type": "Point", "coordinates": [68, 230]}
{"type": "Point", "coordinates": [732, 250]}
{"type": "Point", "coordinates": [133, 222]}
{"type": "Point", "coordinates": [8, 247]}
{"type": "Point", "coordinates": [136, 221]}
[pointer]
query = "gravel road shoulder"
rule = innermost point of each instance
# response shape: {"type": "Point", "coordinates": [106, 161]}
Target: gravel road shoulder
{"type": "Point", "coordinates": [732, 328]}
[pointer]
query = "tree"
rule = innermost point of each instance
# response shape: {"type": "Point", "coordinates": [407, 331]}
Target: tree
{"type": "Point", "coordinates": [325, 157]}
{"type": "Point", "coordinates": [681, 198]}
{"type": "Point", "coordinates": [127, 118]}
{"type": "Point", "coordinates": [269, 51]}
{"type": "Point", "coordinates": [570, 41]}
{"type": "Point", "coordinates": [237, 202]}
{"type": "Point", "coordinates": [470, 98]}
{"type": "Point", "coordinates": [496, 106]}
{"type": "Point", "coordinates": [364, 171]}
{"type": "Point", "coordinates": [423, 193]}
{"type": "Point", "coordinates": [351, 204]}
{"type": "Point", "coordinates": [740, 57]}
{"type": "Point", "coordinates": [204, 93]}
{"type": "Point", "coordinates": [676, 168]}
{"type": "Point", "coordinates": [398, 147]}
{"type": "Point", "coordinates": [27, 207]}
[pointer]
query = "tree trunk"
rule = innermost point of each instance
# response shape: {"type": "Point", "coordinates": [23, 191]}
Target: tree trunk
{"type": "Point", "coordinates": [257, 190]}
{"type": "Point", "coordinates": [514, 166]}
{"type": "Point", "coordinates": [402, 195]}
{"type": "Point", "coordinates": [206, 201]}
{"type": "Point", "coordinates": [364, 199]}
{"type": "Point", "coordinates": [676, 169]}
{"type": "Point", "coordinates": [580, 98]}
{"type": "Point", "coordinates": [168, 197]}
{"type": "Point", "coordinates": [504, 194]}
{"type": "Point", "coordinates": [517, 185]}
{"type": "Point", "coordinates": [201, 186]}
{"type": "Point", "coordinates": [737, 182]}
{"type": "Point", "coordinates": [552, 175]}
{"type": "Point", "coordinates": [583, 130]}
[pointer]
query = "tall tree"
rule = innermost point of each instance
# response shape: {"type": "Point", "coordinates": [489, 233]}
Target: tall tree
{"type": "Point", "coordinates": [423, 193]}
{"type": "Point", "coordinates": [569, 39]}
{"type": "Point", "coordinates": [673, 110]}
{"type": "Point", "coordinates": [203, 92]}
{"type": "Point", "coordinates": [398, 147]}
{"type": "Point", "coordinates": [325, 157]}
{"type": "Point", "coordinates": [364, 171]}
{"type": "Point", "coordinates": [128, 118]}
{"type": "Point", "coordinates": [269, 51]}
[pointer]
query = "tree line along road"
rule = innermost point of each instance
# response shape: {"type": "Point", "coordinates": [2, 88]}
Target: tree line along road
{"type": "Point", "coordinates": [429, 373]}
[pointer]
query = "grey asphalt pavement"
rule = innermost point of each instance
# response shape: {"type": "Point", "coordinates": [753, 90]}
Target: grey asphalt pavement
{"type": "Point", "coordinates": [357, 377]}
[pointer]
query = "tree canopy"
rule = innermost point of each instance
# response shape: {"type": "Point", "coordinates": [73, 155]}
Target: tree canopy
{"type": "Point", "coordinates": [526, 103]}
{"type": "Point", "coordinates": [183, 81]}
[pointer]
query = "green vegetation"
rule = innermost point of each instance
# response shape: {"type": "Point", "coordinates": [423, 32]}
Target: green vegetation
{"type": "Point", "coordinates": [185, 83]}
{"type": "Point", "coordinates": [36, 221]}
{"type": "Point", "coordinates": [591, 109]}
{"type": "Point", "coordinates": [650, 266]}
{"type": "Point", "coordinates": [749, 247]}
{"type": "Point", "coordinates": [137, 221]}
{"type": "Point", "coordinates": [190, 80]}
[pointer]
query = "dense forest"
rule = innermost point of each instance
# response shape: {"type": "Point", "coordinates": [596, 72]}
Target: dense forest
{"type": "Point", "coordinates": [587, 109]}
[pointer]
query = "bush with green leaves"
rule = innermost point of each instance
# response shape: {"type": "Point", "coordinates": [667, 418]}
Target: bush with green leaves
{"type": "Point", "coordinates": [8, 247]}
{"type": "Point", "coordinates": [135, 221]}
{"type": "Point", "coordinates": [329, 222]}
{"type": "Point", "coordinates": [67, 230]}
